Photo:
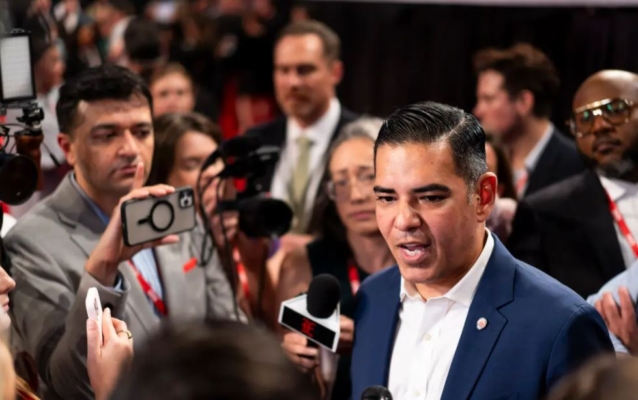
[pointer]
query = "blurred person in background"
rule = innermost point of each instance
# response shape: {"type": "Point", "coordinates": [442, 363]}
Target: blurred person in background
{"type": "Point", "coordinates": [601, 379]}
{"type": "Point", "coordinates": [81, 44]}
{"type": "Point", "coordinates": [48, 70]}
{"type": "Point", "coordinates": [173, 90]}
{"type": "Point", "coordinates": [219, 360]}
{"type": "Point", "coordinates": [307, 71]}
{"type": "Point", "coordinates": [112, 17]}
{"type": "Point", "coordinates": [500, 219]}
{"type": "Point", "coordinates": [582, 231]}
{"type": "Point", "coordinates": [350, 247]}
{"type": "Point", "coordinates": [142, 48]}
{"type": "Point", "coordinates": [182, 143]}
{"type": "Point", "coordinates": [40, 21]}
{"type": "Point", "coordinates": [515, 95]}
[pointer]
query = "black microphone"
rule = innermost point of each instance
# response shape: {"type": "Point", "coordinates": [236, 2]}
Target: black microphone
{"type": "Point", "coordinates": [238, 146]}
{"type": "Point", "coordinates": [323, 294]}
{"type": "Point", "coordinates": [259, 216]}
{"type": "Point", "coordinates": [316, 313]}
{"type": "Point", "coordinates": [376, 393]}
{"type": "Point", "coordinates": [255, 162]}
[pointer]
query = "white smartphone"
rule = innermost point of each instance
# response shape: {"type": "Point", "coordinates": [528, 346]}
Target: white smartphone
{"type": "Point", "coordinates": [94, 309]}
{"type": "Point", "coordinates": [156, 217]}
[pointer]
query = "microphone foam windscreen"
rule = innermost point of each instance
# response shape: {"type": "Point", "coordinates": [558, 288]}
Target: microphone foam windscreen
{"type": "Point", "coordinates": [376, 393]}
{"type": "Point", "coordinates": [240, 146]}
{"type": "Point", "coordinates": [323, 295]}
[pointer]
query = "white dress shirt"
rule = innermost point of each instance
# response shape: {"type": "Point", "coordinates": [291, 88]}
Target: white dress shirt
{"type": "Point", "coordinates": [625, 195]}
{"type": "Point", "coordinates": [320, 133]}
{"type": "Point", "coordinates": [428, 333]}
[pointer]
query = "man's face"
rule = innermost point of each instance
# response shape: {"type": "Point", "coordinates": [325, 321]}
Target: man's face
{"type": "Point", "coordinates": [606, 145]}
{"type": "Point", "coordinates": [494, 108]}
{"type": "Point", "coordinates": [110, 138]}
{"type": "Point", "coordinates": [172, 93]}
{"type": "Point", "coordinates": [49, 70]}
{"type": "Point", "coordinates": [424, 213]}
{"type": "Point", "coordinates": [304, 79]}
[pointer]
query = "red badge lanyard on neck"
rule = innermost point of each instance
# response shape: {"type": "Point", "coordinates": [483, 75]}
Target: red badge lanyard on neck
{"type": "Point", "coordinates": [353, 277]}
{"type": "Point", "coordinates": [622, 225]}
{"type": "Point", "coordinates": [148, 290]}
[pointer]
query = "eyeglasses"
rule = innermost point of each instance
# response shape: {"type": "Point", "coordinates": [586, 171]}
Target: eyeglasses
{"type": "Point", "coordinates": [615, 111]}
{"type": "Point", "coordinates": [339, 190]}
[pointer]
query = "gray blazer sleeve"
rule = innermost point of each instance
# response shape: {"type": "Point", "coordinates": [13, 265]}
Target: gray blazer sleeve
{"type": "Point", "coordinates": [50, 316]}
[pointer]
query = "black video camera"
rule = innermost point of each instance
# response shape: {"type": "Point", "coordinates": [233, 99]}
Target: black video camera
{"type": "Point", "coordinates": [259, 216]}
{"type": "Point", "coordinates": [20, 174]}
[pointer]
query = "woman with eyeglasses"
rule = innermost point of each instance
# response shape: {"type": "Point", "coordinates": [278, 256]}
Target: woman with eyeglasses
{"type": "Point", "coordinates": [350, 247]}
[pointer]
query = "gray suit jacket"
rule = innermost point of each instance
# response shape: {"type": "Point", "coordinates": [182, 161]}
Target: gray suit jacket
{"type": "Point", "coordinates": [48, 249]}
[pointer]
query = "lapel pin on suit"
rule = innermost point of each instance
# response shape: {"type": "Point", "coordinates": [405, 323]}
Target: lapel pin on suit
{"type": "Point", "coordinates": [481, 324]}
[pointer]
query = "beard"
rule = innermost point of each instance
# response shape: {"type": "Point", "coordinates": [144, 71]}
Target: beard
{"type": "Point", "coordinates": [623, 168]}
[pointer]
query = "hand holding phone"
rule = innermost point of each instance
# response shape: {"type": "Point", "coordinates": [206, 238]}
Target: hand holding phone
{"type": "Point", "coordinates": [94, 309]}
{"type": "Point", "coordinates": [110, 251]}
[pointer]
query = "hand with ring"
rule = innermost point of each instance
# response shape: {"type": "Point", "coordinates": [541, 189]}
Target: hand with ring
{"type": "Point", "coordinates": [106, 362]}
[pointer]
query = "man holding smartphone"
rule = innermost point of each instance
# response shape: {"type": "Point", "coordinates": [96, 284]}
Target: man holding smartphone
{"type": "Point", "coordinates": [73, 240]}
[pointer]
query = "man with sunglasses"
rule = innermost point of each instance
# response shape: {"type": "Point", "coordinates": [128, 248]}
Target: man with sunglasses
{"type": "Point", "coordinates": [581, 231]}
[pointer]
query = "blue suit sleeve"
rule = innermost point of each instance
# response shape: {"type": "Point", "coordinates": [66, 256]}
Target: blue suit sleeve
{"type": "Point", "coordinates": [582, 336]}
{"type": "Point", "coordinates": [629, 279]}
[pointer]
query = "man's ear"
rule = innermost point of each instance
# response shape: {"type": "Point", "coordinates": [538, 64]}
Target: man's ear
{"type": "Point", "coordinates": [66, 144]}
{"type": "Point", "coordinates": [486, 192]}
{"type": "Point", "coordinates": [336, 69]}
{"type": "Point", "coordinates": [525, 102]}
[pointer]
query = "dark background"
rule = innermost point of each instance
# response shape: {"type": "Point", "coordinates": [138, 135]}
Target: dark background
{"type": "Point", "coordinates": [395, 54]}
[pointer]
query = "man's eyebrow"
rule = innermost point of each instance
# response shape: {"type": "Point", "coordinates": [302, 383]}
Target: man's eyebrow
{"type": "Point", "coordinates": [109, 126]}
{"type": "Point", "coordinates": [379, 189]}
{"type": "Point", "coordinates": [104, 127]}
{"type": "Point", "coordinates": [433, 187]}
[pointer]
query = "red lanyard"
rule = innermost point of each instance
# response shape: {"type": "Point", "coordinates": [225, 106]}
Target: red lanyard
{"type": "Point", "coordinates": [241, 274]}
{"type": "Point", "coordinates": [622, 225]}
{"type": "Point", "coordinates": [353, 276]}
{"type": "Point", "coordinates": [521, 182]}
{"type": "Point", "coordinates": [150, 293]}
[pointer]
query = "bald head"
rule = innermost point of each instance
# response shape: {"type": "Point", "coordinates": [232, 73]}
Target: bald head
{"type": "Point", "coordinates": [607, 84]}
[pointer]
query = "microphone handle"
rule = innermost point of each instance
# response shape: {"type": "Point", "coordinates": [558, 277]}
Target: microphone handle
{"type": "Point", "coordinates": [310, 343]}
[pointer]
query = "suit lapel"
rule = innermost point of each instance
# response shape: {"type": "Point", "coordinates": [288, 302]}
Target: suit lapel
{"type": "Point", "coordinates": [592, 208]}
{"type": "Point", "coordinates": [170, 264]}
{"type": "Point", "coordinates": [387, 316]}
{"type": "Point", "coordinates": [545, 165]}
{"type": "Point", "coordinates": [495, 289]}
{"type": "Point", "coordinates": [137, 302]}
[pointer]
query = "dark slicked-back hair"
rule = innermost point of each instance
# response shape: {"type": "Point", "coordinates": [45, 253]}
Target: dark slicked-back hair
{"type": "Point", "coordinates": [106, 82]}
{"type": "Point", "coordinates": [429, 122]}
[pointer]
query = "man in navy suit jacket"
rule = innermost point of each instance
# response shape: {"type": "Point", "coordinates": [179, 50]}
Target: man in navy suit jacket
{"type": "Point", "coordinates": [459, 317]}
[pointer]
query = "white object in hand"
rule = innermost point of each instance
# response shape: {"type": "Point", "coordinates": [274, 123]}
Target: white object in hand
{"type": "Point", "coordinates": [94, 309]}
